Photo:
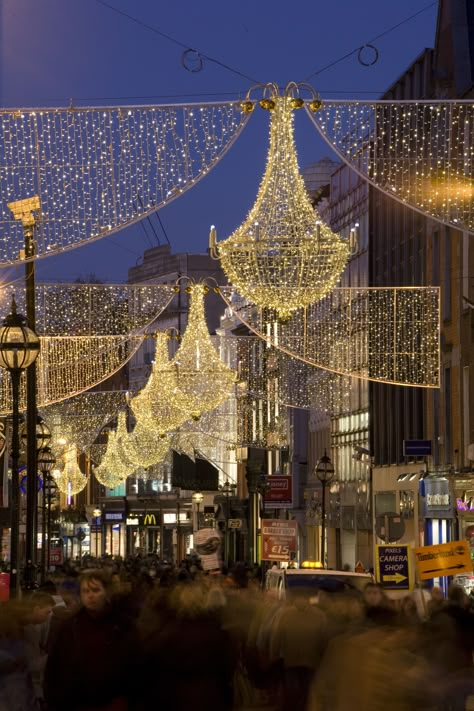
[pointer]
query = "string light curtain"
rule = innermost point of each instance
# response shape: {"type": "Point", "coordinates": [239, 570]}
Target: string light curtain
{"type": "Point", "coordinates": [99, 169]}
{"type": "Point", "coordinates": [67, 366]}
{"type": "Point", "coordinates": [388, 335]}
{"type": "Point", "coordinates": [155, 407]}
{"type": "Point", "coordinates": [79, 420]}
{"type": "Point", "coordinates": [282, 257]}
{"type": "Point", "coordinates": [204, 381]}
{"type": "Point", "coordinates": [92, 309]}
{"type": "Point", "coordinates": [420, 153]}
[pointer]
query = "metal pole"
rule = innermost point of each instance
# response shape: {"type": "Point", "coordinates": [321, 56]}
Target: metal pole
{"type": "Point", "coordinates": [15, 498]}
{"type": "Point", "coordinates": [253, 471]}
{"type": "Point", "coordinates": [31, 420]}
{"type": "Point", "coordinates": [197, 522]}
{"type": "Point", "coordinates": [323, 526]}
{"type": "Point", "coordinates": [43, 527]}
{"type": "Point", "coordinates": [48, 539]}
{"type": "Point", "coordinates": [178, 535]}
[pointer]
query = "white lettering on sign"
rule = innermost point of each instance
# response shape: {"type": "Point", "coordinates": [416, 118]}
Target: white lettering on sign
{"type": "Point", "coordinates": [437, 499]}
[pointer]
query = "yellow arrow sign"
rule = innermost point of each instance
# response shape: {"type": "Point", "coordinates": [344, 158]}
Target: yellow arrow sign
{"type": "Point", "coordinates": [397, 578]}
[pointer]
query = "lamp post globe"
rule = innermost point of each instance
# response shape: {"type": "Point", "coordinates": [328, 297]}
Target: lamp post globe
{"type": "Point", "coordinates": [19, 348]}
{"type": "Point", "coordinates": [325, 473]}
{"type": "Point", "coordinates": [46, 460]}
{"type": "Point", "coordinates": [42, 434]}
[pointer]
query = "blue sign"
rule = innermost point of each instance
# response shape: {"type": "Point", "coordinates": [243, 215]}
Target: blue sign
{"type": "Point", "coordinates": [393, 567]}
{"type": "Point", "coordinates": [416, 447]}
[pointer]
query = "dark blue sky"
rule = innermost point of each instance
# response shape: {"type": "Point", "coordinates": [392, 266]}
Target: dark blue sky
{"type": "Point", "coordinates": [55, 50]}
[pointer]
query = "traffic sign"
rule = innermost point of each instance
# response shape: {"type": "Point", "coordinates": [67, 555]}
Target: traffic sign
{"type": "Point", "coordinates": [444, 559]}
{"type": "Point", "coordinates": [279, 539]}
{"type": "Point", "coordinates": [416, 447]}
{"type": "Point", "coordinates": [393, 568]}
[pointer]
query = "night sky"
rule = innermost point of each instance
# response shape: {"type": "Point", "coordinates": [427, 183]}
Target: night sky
{"type": "Point", "coordinates": [52, 51]}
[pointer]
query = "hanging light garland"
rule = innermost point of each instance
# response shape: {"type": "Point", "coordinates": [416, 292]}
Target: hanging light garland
{"type": "Point", "coordinates": [420, 153]}
{"type": "Point", "coordinates": [388, 335]}
{"type": "Point", "coordinates": [97, 170]}
{"type": "Point", "coordinates": [282, 257]}
{"type": "Point", "coordinates": [70, 480]}
{"type": "Point", "coordinates": [79, 420]}
{"type": "Point", "coordinates": [203, 380]}
{"type": "Point", "coordinates": [155, 407]}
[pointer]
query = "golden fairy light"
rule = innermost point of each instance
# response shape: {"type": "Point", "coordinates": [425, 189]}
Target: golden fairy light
{"type": "Point", "coordinates": [282, 257]}
{"type": "Point", "coordinates": [204, 380]}
{"type": "Point", "coordinates": [140, 448]}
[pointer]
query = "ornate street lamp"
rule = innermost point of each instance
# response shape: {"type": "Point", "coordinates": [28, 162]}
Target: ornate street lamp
{"type": "Point", "coordinates": [97, 514]}
{"type": "Point", "coordinates": [197, 497]}
{"type": "Point", "coordinates": [19, 348]}
{"type": "Point", "coordinates": [43, 434]}
{"type": "Point", "coordinates": [46, 462]}
{"type": "Point", "coordinates": [325, 473]}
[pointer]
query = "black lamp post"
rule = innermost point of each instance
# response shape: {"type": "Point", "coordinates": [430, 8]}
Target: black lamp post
{"type": "Point", "coordinates": [228, 490]}
{"type": "Point", "coordinates": [325, 474]}
{"type": "Point", "coordinates": [197, 497]}
{"type": "Point", "coordinates": [19, 348]}
{"type": "Point", "coordinates": [46, 461]}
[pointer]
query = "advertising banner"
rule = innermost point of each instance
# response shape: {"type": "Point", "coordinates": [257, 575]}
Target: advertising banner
{"type": "Point", "coordinates": [55, 556]}
{"type": "Point", "coordinates": [280, 493]}
{"type": "Point", "coordinates": [207, 544]}
{"type": "Point", "coordinates": [392, 567]}
{"type": "Point", "coordinates": [444, 559]}
{"type": "Point", "coordinates": [279, 540]}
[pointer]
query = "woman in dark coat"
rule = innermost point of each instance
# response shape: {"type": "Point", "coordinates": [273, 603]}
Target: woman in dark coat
{"type": "Point", "coordinates": [91, 664]}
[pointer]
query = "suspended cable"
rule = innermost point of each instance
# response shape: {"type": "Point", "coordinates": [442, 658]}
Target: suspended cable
{"type": "Point", "coordinates": [316, 72]}
{"type": "Point", "coordinates": [175, 41]}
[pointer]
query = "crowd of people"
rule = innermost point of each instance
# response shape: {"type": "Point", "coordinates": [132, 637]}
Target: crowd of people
{"type": "Point", "coordinates": [140, 634]}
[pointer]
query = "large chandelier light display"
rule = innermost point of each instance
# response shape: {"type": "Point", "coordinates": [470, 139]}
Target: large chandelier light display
{"type": "Point", "coordinates": [204, 381]}
{"type": "Point", "coordinates": [282, 257]}
{"type": "Point", "coordinates": [419, 152]}
{"type": "Point", "coordinates": [155, 407]}
{"type": "Point", "coordinates": [70, 480]}
{"type": "Point", "coordinates": [140, 448]}
{"type": "Point", "coordinates": [99, 169]}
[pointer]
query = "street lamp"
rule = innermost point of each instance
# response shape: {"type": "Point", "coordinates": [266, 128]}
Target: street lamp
{"type": "Point", "coordinates": [19, 348]}
{"type": "Point", "coordinates": [46, 461]}
{"type": "Point", "coordinates": [325, 473]}
{"type": "Point", "coordinates": [197, 497]}
{"type": "Point", "coordinates": [43, 434]}
{"type": "Point", "coordinates": [97, 513]}
{"type": "Point", "coordinates": [228, 490]}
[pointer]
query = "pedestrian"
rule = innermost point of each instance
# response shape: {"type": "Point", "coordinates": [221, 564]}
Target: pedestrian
{"type": "Point", "coordinates": [96, 647]}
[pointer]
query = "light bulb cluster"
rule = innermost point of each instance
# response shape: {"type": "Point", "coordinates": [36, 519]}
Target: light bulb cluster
{"type": "Point", "coordinates": [282, 257]}
{"type": "Point", "coordinates": [418, 152]}
{"type": "Point", "coordinates": [96, 170]}
{"type": "Point", "coordinates": [381, 334]}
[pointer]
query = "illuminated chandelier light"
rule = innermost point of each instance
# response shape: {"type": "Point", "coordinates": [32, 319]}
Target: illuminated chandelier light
{"type": "Point", "coordinates": [389, 335]}
{"type": "Point", "coordinates": [420, 153]}
{"type": "Point", "coordinates": [204, 381]}
{"type": "Point", "coordinates": [79, 420]}
{"type": "Point", "coordinates": [155, 406]}
{"type": "Point", "coordinates": [92, 309]}
{"type": "Point", "coordinates": [69, 365]}
{"type": "Point", "coordinates": [282, 257]}
{"type": "Point", "coordinates": [113, 470]}
{"type": "Point", "coordinates": [261, 423]}
{"type": "Point", "coordinates": [99, 169]}
{"type": "Point", "coordinates": [70, 480]}
{"type": "Point", "coordinates": [140, 448]}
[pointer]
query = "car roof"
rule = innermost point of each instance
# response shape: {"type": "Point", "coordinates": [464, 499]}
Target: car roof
{"type": "Point", "coordinates": [320, 571]}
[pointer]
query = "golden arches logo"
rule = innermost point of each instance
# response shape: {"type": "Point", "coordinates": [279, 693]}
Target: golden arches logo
{"type": "Point", "coordinates": [149, 520]}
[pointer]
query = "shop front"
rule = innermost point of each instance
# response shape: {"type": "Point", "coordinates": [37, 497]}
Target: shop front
{"type": "Point", "coordinates": [464, 494]}
{"type": "Point", "coordinates": [438, 517]}
{"type": "Point", "coordinates": [113, 532]}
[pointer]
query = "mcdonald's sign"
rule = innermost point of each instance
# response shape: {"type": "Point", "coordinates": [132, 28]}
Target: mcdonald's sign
{"type": "Point", "coordinates": [149, 519]}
